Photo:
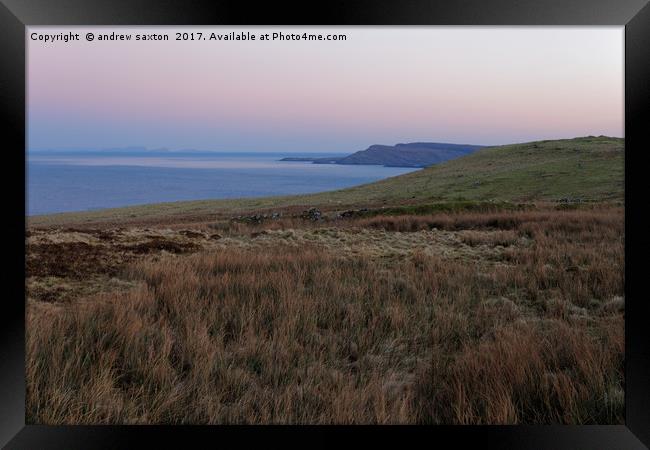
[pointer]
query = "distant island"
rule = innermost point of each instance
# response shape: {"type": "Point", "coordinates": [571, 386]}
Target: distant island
{"type": "Point", "coordinates": [415, 154]}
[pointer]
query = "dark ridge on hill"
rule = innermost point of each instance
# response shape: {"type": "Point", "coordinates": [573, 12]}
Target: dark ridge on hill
{"type": "Point", "coordinates": [415, 154]}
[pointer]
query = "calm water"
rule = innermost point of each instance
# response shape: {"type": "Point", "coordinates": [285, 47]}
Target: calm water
{"type": "Point", "coordinates": [74, 181]}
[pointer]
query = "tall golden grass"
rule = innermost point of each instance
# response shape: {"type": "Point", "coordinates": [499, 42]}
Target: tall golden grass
{"type": "Point", "coordinates": [313, 335]}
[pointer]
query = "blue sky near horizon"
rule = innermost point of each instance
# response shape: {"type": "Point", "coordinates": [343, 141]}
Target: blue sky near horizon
{"type": "Point", "coordinates": [469, 85]}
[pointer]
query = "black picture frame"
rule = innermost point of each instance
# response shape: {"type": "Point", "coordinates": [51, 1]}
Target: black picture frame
{"type": "Point", "coordinates": [15, 15]}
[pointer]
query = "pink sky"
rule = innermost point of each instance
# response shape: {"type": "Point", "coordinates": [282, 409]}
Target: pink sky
{"type": "Point", "coordinates": [492, 85]}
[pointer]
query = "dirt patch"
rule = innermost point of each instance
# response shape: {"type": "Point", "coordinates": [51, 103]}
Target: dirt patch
{"type": "Point", "coordinates": [158, 245]}
{"type": "Point", "coordinates": [68, 260]}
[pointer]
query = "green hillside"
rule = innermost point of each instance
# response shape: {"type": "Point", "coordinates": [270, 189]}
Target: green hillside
{"type": "Point", "coordinates": [581, 168]}
{"type": "Point", "coordinates": [584, 169]}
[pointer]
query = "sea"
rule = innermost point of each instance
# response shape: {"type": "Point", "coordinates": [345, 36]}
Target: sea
{"type": "Point", "coordinates": [66, 181]}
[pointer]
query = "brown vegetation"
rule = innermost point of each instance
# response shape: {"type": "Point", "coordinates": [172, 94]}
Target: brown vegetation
{"type": "Point", "coordinates": [471, 317]}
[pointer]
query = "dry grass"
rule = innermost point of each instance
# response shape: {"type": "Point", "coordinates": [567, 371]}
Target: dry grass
{"type": "Point", "coordinates": [269, 332]}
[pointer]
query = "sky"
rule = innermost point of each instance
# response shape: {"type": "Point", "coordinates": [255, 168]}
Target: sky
{"type": "Point", "coordinates": [382, 85]}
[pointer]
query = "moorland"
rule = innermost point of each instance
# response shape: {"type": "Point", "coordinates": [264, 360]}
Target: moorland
{"type": "Point", "coordinates": [488, 289]}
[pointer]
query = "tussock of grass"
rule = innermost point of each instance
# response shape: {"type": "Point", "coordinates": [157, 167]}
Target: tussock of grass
{"type": "Point", "coordinates": [547, 373]}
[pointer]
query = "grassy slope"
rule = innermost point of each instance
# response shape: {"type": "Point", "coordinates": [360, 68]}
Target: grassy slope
{"type": "Point", "coordinates": [589, 168]}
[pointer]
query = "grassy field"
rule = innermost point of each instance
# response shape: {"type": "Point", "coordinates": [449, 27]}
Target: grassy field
{"type": "Point", "coordinates": [455, 307]}
{"type": "Point", "coordinates": [586, 169]}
